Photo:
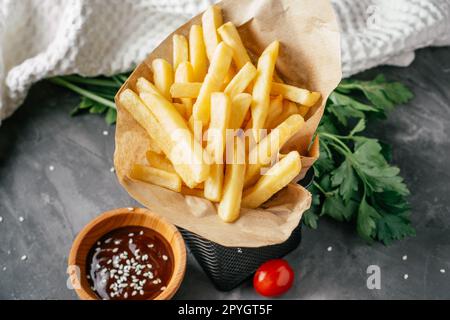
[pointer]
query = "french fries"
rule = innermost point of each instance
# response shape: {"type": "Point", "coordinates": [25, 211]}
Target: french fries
{"type": "Point", "coordinates": [186, 149]}
{"type": "Point", "coordinates": [214, 87]}
{"type": "Point", "coordinates": [231, 37]}
{"type": "Point", "coordinates": [241, 81]}
{"type": "Point", "coordinates": [230, 75]}
{"type": "Point", "coordinates": [184, 74]}
{"type": "Point", "coordinates": [220, 117]}
{"type": "Point", "coordinates": [270, 146]}
{"type": "Point", "coordinates": [180, 50]}
{"type": "Point", "coordinates": [220, 64]}
{"type": "Point", "coordinates": [163, 76]}
{"type": "Point", "coordinates": [230, 206]}
{"type": "Point", "coordinates": [279, 176]}
{"type": "Point", "coordinates": [143, 85]}
{"type": "Point", "coordinates": [275, 110]}
{"type": "Point", "coordinates": [135, 106]}
{"type": "Point", "coordinates": [186, 90]}
{"type": "Point", "coordinates": [197, 52]}
{"type": "Point", "coordinates": [240, 105]}
{"type": "Point", "coordinates": [157, 177]}
{"type": "Point", "coordinates": [289, 108]}
{"type": "Point", "coordinates": [263, 87]}
{"type": "Point", "coordinates": [294, 94]}
{"type": "Point", "coordinates": [211, 19]}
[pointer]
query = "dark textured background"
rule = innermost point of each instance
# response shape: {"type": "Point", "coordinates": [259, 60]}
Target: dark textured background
{"type": "Point", "coordinates": [57, 204]}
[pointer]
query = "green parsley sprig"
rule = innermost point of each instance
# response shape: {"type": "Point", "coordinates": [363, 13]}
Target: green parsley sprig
{"type": "Point", "coordinates": [354, 181]}
{"type": "Point", "coordinates": [97, 94]}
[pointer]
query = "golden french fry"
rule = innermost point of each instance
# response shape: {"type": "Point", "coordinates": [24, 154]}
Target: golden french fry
{"type": "Point", "coordinates": [143, 85]}
{"type": "Point", "coordinates": [159, 161]}
{"type": "Point", "coordinates": [142, 114]}
{"type": "Point", "coordinates": [240, 107]}
{"type": "Point", "coordinates": [157, 177]}
{"type": "Point", "coordinates": [180, 50]}
{"type": "Point", "coordinates": [197, 51]}
{"type": "Point", "coordinates": [275, 109]}
{"type": "Point", "coordinates": [230, 75]}
{"type": "Point", "coordinates": [212, 19]}
{"type": "Point", "coordinates": [134, 105]}
{"type": "Point", "coordinates": [262, 88]}
{"type": "Point", "coordinates": [231, 37]}
{"type": "Point", "coordinates": [163, 76]}
{"type": "Point", "coordinates": [278, 177]}
{"type": "Point", "coordinates": [185, 74]}
{"type": "Point", "coordinates": [269, 147]}
{"type": "Point", "coordinates": [294, 94]}
{"type": "Point", "coordinates": [189, 90]}
{"type": "Point", "coordinates": [186, 149]}
{"type": "Point", "coordinates": [220, 118]}
{"type": "Point", "coordinates": [241, 81]}
{"type": "Point", "coordinates": [217, 72]}
{"type": "Point", "coordinates": [214, 183]}
{"type": "Point", "coordinates": [289, 108]}
{"type": "Point", "coordinates": [230, 206]}
{"type": "Point", "coordinates": [149, 87]}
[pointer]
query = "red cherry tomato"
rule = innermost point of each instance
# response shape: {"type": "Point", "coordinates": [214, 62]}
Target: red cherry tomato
{"type": "Point", "coordinates": [273, 278]}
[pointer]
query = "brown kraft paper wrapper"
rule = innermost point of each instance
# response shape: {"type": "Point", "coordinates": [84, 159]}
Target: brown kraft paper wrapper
{"type": "Point", "coordinates": [309, 58]}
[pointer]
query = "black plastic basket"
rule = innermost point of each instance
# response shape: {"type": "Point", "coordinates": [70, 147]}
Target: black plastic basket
{"type": "Point", "coordinates": [229, 267]}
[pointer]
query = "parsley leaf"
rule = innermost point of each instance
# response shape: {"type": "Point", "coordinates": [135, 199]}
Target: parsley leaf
{"type": "Point", "coordinates": [97, 94]}
{"type": "Point", "coordinates": [382, 94]}
{"type": "Point", "coordinates": [345, 178]}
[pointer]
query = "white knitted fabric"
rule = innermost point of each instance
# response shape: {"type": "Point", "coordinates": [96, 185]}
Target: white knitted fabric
{"type": "Point", "coordinates": [43, 38]}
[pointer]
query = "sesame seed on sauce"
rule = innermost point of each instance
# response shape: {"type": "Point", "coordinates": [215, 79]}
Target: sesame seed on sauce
{"type": "Point", "coordinates": [137, 269]}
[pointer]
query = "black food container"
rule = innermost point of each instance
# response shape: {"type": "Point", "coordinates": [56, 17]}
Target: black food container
{"type": "Point", "coordinates": [228, 267]}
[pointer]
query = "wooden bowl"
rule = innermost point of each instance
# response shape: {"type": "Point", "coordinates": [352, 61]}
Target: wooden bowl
{"type": "Point", "coordinates": [119, 218]}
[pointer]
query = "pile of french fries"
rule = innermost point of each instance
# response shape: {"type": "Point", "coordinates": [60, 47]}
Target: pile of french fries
{"type": "Point", "coordinates": [212, 86]}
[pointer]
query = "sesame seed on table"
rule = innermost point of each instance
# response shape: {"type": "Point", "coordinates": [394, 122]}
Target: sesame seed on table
{"type": "Point", "coordinates": [55, 172]}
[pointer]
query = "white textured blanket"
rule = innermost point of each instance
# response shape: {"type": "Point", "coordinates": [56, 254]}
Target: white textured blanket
{"type": "Point", "coordinates": [42, 38]}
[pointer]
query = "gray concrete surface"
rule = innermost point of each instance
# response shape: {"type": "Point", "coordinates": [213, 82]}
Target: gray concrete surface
{"type": "Point", "coordinates": [55, 173]}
